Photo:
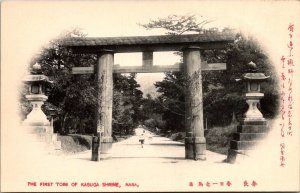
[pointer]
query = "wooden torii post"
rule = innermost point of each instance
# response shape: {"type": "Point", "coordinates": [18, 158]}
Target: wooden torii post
{"type": "Point", "coordinates": [191, 46]}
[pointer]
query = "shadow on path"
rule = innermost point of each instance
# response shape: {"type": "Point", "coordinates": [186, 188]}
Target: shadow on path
{"type": "Point", "coordinates": [151, 157]}
{"type": "Point", "coordinates": [161, 144]}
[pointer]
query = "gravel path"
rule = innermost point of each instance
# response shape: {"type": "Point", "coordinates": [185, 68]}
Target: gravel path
{"type": "Point", "coordinates": [158, 166]}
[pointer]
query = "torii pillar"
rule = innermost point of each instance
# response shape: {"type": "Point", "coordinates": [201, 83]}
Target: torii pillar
{"type": "Point", "coordinates": [195, 143]}
{"type": "Point", "coordinates": [104, 72]}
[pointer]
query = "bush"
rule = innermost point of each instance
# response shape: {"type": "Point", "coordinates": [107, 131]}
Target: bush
{"type": "Point", "coordinates": [178, 136]}
{"type": "Point", "coordinates": [75, 143]}
{"type": "Point", "coordinates": [218, 138]}
{"type": "Point", "coordinates": [155, 121]}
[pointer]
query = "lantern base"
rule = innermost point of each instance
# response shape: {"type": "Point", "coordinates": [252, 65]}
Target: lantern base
{"type": "Point", "coordinates": [36, 117]}
{"type": "Point", "coordinates": [254, 119]}
{"type": "Point", "coordinates": [253, 113]}
{"type": "Point", "coordinates": [42, 139]}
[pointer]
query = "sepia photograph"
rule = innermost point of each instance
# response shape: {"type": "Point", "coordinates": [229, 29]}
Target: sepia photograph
{"type": "Point", "coordinates": [150, 96]}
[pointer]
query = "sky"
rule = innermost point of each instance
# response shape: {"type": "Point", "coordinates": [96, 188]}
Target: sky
{"type": "Point", "coordinates": [29, 25]}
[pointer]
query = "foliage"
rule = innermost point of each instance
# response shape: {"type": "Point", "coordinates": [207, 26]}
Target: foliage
{"type": "Point", "coordinates": [151, 113]}
{"type": "Point", "coordinates": [75, 143]}
{"type": "Point", "coordinates": [74, 97]}
{"type": "Point", "coordinates": [222, 95]}
{"type": "Point", "coordinates": [126, 103]}
{"type": "Point", "coordinates": [218, 138]}
{"type": "Point", "coordinates": [172, 100]}
{"type": "Point", "coordinates": [177, 24]}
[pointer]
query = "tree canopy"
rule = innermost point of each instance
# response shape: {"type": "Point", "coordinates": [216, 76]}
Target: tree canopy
{"type": "Point", "coordinates": [223, 96]}
{"type": "Point", "coordinates": [73, 97]}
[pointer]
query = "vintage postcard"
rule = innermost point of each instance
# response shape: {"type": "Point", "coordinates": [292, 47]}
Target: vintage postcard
{"type": "Point", "coordinates": [135, 96]}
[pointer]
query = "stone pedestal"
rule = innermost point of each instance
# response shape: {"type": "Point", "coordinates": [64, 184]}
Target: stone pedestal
{"type": "Point", "coordinates": [248, 134]}
{"type": "Point", "coordinates": [105, 148]}
{"type": "Point", "coordinates": [195, 148]}
{"type": "Point", "coordinates": [51, 140]}
{"type": "Point", "coordinates": [36, 116]}
{"type": "Point", "coordinates": [37, 125]}
{"type": "Point", "coordinates": [95, 148]}
{"type": "Point", "coordinates": [253, 113]}
{"type": "Point", "coordinates": [43, 137]}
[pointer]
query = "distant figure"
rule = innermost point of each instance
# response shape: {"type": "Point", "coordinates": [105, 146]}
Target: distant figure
{"type": "Point", "coordinates": [142, 140]}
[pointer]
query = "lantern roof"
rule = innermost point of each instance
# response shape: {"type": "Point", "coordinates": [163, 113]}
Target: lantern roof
{"type": "Point", "coordinates": [37, 78]}
{"type": "Point", "coordinates": [255, 76]}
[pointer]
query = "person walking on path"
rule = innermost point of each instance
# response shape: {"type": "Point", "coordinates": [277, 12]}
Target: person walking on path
{"type": "Point", "coordinates": [142, 139]}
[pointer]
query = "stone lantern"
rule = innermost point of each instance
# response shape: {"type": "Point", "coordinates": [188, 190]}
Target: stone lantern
{"type": "Point", "coordinates": [252, 127]}
{"type": "Point", "coordinates": [37, 86]}
{"type": "Point", "coordinates": [37, 125]}
{"type": "Point", "coordinates": [253, 96]}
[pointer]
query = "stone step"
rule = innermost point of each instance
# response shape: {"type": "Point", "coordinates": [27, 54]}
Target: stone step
{"type": "Point", "coordinates": [242, 145]}
{"type": "Point", "coordinates": [49, 138]}
{"type": "Point", "coordinates": [47, 142]}
{"type": "Point", "coordinates": [251, 129]}
{"type": "Point", "coordinates": [54, 137]}
{"type": "Point", "coordinates": [33, 138]}
{"type": "Point", "coordinates": [248, 136]}
{"type": "Point", "coordinates": [57, 145]}
{"type": "Point", "coordinates": [242, 122]}
{"type": "Point", "coordinates": [36, 146]}
{"type": "Point", "coordinates": [42, 139]}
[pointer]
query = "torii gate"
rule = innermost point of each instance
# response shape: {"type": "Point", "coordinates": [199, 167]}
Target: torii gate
{"type": "Point", "coordinates": [191, 46]}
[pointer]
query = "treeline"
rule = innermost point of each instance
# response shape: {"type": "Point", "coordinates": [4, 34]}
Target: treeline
{"type": "Point", "coordinates": [73, 98]}
{"type": "Point", "coordinates": [223, 95]}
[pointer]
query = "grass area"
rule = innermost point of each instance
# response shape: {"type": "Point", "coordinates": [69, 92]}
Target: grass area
{"type": "Point", "coordinates": [74, 143]}
{"type": "Point", "coordinates": [218, 138]}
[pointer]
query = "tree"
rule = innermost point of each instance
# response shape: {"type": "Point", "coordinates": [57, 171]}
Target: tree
{"type": "Point", "coordinates": [172, 100]}
{"type": "Point", "coordinates": [222, 95]}
{"type": "Point", "coordinates": [126, 103]}
{"type": "Point", "coordinates": [177, 24]}
{"type": "Point", "coordinates": [74, 97]}
{"type": "Point", "coordinates": [152, 112]}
